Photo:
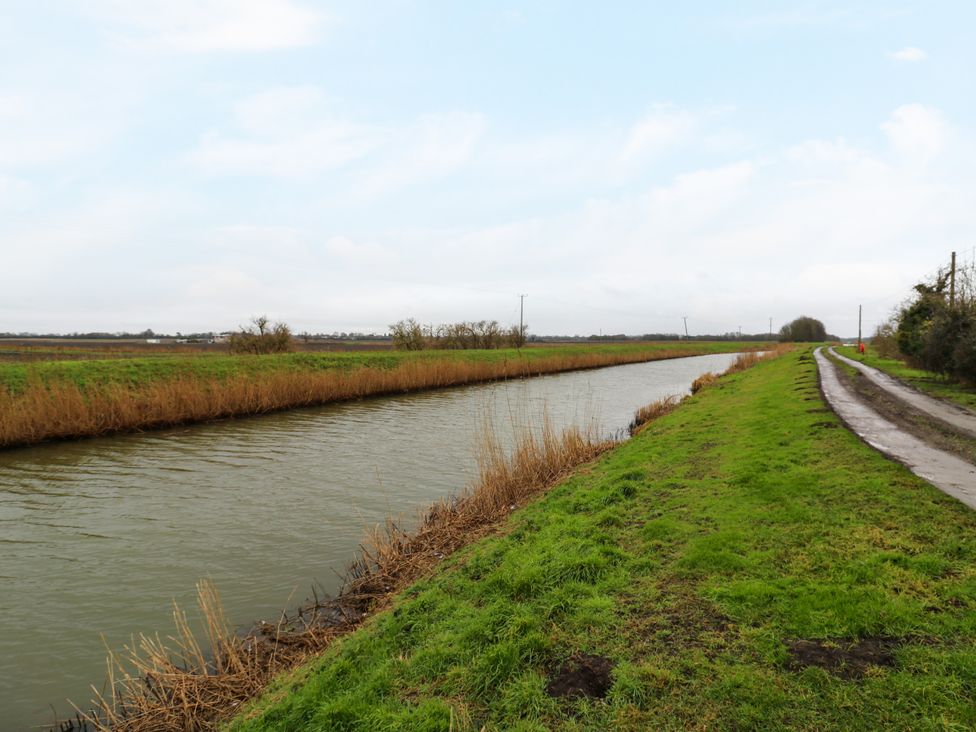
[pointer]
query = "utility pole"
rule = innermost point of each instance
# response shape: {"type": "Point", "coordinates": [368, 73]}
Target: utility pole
{"type": "Point", "coordinates": [685, 318]}
{"type": "Point", "coordinates": [952, 282]}
{"type": "Point", "coordinates": [521, 318]}
{"type": "Point", "coordinates": [859, 308]}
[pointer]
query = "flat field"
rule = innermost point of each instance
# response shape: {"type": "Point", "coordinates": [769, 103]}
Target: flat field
{"type": "Point", "coordinates": [743, 563]}
{"type": "Point", "coordinates": [54, 399]}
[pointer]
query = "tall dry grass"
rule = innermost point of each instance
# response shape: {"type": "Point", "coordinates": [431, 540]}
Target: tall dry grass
{"type": "Point", "coordinates": [60, 410]}
{"type": "Point", "coordinates": [192, 685]}
{"type": "Point", "coordinates": [655, 410]}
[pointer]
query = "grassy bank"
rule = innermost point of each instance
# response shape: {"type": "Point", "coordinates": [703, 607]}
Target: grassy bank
{"type": "Point", "coordinates": [65, 399]}
{"type": "Point", "coordinates": [742, 563]}
{"type": "Point", "coordinates": [926, 381]}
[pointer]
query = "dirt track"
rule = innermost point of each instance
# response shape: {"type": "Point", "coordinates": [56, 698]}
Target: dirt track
{"type": "Point", "coordinates": [956, 416]}
{"type": "Point", "coordinates": [945, 471]}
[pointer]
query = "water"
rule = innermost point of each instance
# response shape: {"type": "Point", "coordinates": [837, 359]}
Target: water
{"type": "Point", "coordinates": [99, 537]}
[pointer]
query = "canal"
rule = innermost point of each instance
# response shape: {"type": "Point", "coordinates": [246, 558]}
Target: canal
{"type": "Point", "coordinates": [99, 537]}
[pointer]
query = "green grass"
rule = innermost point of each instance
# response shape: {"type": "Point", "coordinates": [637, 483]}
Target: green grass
{"type": "Point", "coordinates": [138, 371]}
{"type": "Point", "coordinates": [926, 381]}
{"type": "Point", "coordinates": [691, 557]}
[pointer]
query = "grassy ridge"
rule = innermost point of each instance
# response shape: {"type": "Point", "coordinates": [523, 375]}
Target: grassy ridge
{"type": "Point", "coordinates": [66, 399]}
{"type": "Point", "coordinates": [926, 381]}
{"type": "Point", "coordinates": [731, 562]}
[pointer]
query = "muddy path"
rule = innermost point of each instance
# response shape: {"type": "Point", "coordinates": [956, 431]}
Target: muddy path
{"type": "Point", "coordinates": [932, 431]}
{"type": "Point", "coordinates": [946, 471]}
{"type": "Point", "coordinates": [955, 416]}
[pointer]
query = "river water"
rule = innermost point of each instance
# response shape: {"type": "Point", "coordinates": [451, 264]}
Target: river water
{"type": "Point", "coordinates": [99, 537]}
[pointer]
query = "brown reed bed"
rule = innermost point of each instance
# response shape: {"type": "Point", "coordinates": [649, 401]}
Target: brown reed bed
{"type": "Point", "coordinates": [655, 410]}
{"type": "Point", "coordinates": [188, 685]}
{"type": "Point", "coordinates": [44, 411]}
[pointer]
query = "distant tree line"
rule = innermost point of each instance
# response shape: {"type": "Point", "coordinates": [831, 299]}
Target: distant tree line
{"type": "Point", "coordinates": [409, 335]}
{"type": "Point", "coordinates": [936, 329]}
{"type": "Point", "coordinates": [805, 330]}
{"type": "Point", "coordinates": [610, 338]}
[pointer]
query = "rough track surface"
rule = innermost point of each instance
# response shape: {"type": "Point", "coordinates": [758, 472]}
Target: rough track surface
{"type": "Point", "coordinates": [946, 472]}
{"type": "Point", "coordinates": [958, 417]}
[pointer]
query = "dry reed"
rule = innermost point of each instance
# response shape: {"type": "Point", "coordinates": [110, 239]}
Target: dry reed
{"type": "Point", "coordinates": [155, 686]}
{"type": "Point", "coordinates": [649, 412]}
{"type": "Point", "coordinates": [63, 410]}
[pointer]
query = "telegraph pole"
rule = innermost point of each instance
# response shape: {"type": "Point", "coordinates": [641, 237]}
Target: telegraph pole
{"type": "Point", "coordinates": [521, 318]}
{"type": "Point", "coordinates": [952, 282]}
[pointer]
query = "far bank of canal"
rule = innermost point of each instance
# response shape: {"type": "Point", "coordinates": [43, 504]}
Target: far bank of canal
{"type": "Point", "coordinates": [101, 536]}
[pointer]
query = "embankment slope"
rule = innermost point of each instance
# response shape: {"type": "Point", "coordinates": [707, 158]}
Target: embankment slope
{"type": "Point", "coordinates": [744, 562]}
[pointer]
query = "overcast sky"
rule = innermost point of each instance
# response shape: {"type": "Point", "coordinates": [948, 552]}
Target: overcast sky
{"type": "Point", "coordinates": [185, 164]}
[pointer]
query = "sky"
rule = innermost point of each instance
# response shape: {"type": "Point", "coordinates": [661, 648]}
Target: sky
{"type": "Point", "coordinates": [184, 165]}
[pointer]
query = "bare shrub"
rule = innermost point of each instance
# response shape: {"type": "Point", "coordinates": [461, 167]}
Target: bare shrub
{"type": "Point", "coordinates": [885, 340]}
{"type": "Point", "coordinates": [261, 337]}
{"type": "Point", "coordinates": [408, 335]}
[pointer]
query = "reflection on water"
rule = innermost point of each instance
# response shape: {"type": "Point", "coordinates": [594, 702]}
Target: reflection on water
{"type": "Point", "coordinates": [101, 536]}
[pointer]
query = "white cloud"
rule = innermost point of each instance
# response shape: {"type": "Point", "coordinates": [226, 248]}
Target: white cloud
{"type": "Point", "coordinates": [13, 192]}
{"type": "Point", "coordinates": [43, 129]}
{"type": "Point", "coordinates": [347, 250]}
{"type": "Point", "coordinates": [660, 130]}
{"type": "Point", "coordinates": [917, 132]}
{"type": "Point", "coordinates": [212, 25]}
{"type": "Point", "coordinates": [296, 132]}
{"type": "Point", "coordinates": [285, 132]}
{"type": "Point", "coordinates": [911, 54]}
{"type": "Point", "coordinates": [434, 147]}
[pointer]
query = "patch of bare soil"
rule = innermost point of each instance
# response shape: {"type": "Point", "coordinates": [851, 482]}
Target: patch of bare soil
{"type": "Point", "coordinates": [936, 433]}
{"type": "Point", "coordinates": [582, 675]}
{"type": "Point", "coordinates": [682, 621]}
{"type": "Point", "coordinates": [843, 657]}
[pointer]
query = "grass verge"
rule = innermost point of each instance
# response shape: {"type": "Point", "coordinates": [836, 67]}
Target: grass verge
{"type": "Point", "coordinates": [925, 381]}
{"type": "Point", "coordinates": [69, 399]}
{"type": "Point", "coordinates": [742, 563]}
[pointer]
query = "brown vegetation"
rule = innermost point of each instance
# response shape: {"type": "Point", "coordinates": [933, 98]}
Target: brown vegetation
{"type": "Point", "coordinates": [654, 410]}
{"type": "Point", "coordinates": [262, 337]}
{"type": "Point", "coordinates": [409, 335]}
{"type": "Point", "coordinates": [155, 687]}
{"type": "Point", "coordinates": [59, 410]}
